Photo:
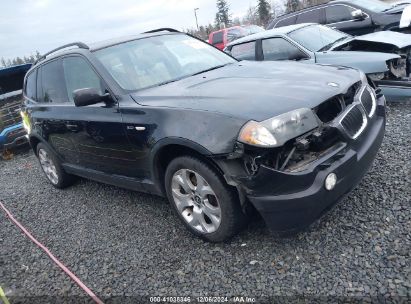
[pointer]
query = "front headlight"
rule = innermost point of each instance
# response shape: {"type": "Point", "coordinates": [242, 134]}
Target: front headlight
{"type": "Point", "coordinates": [276, 131]}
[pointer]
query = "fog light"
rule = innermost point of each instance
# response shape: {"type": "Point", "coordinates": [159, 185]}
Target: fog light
{"type": "Point", "coordinates": [330, 181]}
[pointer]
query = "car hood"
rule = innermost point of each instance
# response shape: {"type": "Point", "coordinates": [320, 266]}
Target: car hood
{"type": "Point", "coordinates": [368, 62]}
{"type": "Point", "coordinates": [253, 90]}
{"type": "Point", "coordinates": [399, 40]}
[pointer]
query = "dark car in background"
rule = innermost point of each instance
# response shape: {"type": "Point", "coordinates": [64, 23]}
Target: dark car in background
{"type": "Point", "coordinates": [168, 114]}
{"type": "Point", "coordinates": [355, 17]}
{"type": "Point", "coordinates": [224, 36]}
{"type": "Point", "coordinates": [377, 55]}
{"type": "Point", "coordinates": [12, 133]}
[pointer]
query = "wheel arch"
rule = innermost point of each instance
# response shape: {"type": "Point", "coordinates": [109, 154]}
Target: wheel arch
{"type": "Point", "coordinates": [168, 149]}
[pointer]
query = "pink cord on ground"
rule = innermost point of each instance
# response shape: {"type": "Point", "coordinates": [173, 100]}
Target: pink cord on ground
{"type": "Point", "coordinates": [61, 265]}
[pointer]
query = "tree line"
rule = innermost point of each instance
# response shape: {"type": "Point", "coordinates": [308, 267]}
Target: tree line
{"type": "Point", "coordinates": [18, 60]}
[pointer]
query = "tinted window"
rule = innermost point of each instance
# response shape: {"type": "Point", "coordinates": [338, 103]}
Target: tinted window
{"type": "Point", "coordinates": [286, 21]}
{"type": "Point", "coordinates": [279, 49]}
{"type": "Point", "coordinates": [31, 85]}
{"type": "Point", "coordinates": [338, 13]}
{"type": "Point", "coordinates": [309, 17]}
{"type": "Point", "coordinates": [52, 83]}
{"type": "Point", "coordinates": [218, 37]}
{"type": "Point", "coordinates": [79, 75]}
{"type": "Point", "coordinates": [244, 51]}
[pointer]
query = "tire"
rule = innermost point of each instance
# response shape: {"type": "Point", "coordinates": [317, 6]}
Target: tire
{"type": "Point", "coordinates": [52, 168]}
{"type": "Point", "coordinates": [207, 206]}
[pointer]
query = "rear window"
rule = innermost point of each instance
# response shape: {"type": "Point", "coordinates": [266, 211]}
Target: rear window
{"type": "Point", "coordinates": [244, 51]}
{"type": "Point", "coordinates": [31, 86]}
{"type": "Point", "coordinates": [217, 38]}
{"type": "Point", "coordinates": [309, 17]}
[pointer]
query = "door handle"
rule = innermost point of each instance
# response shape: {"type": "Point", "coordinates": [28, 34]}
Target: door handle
{"type": "Point", "coordinates": [73, 127]}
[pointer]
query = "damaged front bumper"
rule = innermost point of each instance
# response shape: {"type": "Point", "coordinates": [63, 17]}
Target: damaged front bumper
{"type": "Point", "coordinates": [290, 201]}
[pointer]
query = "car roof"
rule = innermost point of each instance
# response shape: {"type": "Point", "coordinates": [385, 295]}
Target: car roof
{"type": "Point", "coordinates": [269, 33]}
{"type": "Point", "coordinates": [102, 44]}
{"type": "Point", "coordinates": [313, 7]}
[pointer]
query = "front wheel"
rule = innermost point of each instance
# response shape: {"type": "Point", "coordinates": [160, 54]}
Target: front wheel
{"type": "Point", "coordinates": [207, 206]}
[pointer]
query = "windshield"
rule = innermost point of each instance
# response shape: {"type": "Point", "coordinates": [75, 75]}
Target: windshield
{"type": "Point", "coordinates": [317, 37]}
{"type": "Point", "coordinates": [158, 60]}
{"type": "Point", "coordinates": [373, 5]}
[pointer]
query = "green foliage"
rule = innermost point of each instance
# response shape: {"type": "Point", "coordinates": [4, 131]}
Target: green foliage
{"type": "Point", "coordinates": [292, 6]}
{"type": "Point", "coordinates": [223, 16]}
{"type": "Point", "coordinates": [264, 12]}
{"type": "Point", "coordinates": [17, 60]}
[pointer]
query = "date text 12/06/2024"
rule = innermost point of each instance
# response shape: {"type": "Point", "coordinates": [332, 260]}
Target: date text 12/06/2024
{"type": "Point", "coordinates": [203, 299]}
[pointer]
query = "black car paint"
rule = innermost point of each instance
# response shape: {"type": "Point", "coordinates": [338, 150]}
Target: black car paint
{"type": "Point", "coordinates": [374, 21]}
{"type": "Point", "coordinates": [121, 142]}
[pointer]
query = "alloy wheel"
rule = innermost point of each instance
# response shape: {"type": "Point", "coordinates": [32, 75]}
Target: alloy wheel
{"type": "Point", "coordinates": [48, 166]}
{"type": "Point", "coordinates": [196, 201]}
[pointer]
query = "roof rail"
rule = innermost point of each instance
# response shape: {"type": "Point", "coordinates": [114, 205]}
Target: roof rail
{"type": "Point", "coordinates": [167, 29]}
{"type": "Point", "coordinates": [80, 45]}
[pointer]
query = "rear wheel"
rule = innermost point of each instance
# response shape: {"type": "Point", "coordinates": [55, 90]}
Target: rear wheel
{"type": "Point", "coordinates": [207, 206]}
{"type": "Point", "coordinates": [52, 168]}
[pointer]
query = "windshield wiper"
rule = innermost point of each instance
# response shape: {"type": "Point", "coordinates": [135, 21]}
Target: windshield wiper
{"type": "Point", "coordinates": [186, 76]}
{"type": "Point", "coordinates": [170, 81]}
{"type": "Point", "coordinates": [328, 46]}
{"type": "Point", "coordinates": [210, 69]}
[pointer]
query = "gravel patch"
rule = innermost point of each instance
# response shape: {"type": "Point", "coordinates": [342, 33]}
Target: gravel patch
{"type": "Point", "coordinates": [123, 243]}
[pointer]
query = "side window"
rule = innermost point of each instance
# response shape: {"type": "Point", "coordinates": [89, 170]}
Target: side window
{"type": "Point", "coordinates": [244, 51]}
{"type": "Point", "coordinates": [309, 17]}
{"type": "Point", "coordinates": [286, 21]}
{"type": "Point", "coordinates": [79, 75]}
{"type": "Point", "coordinates": [280, 49]}
{"type": "Point", "coordinates": [338, 13]}
{"type": "Point", "coordinates": [218, 38]}
{"type": "Point", "coordinates": [52, 83]}
{"type": "Point", "coordinates": [31, 85]}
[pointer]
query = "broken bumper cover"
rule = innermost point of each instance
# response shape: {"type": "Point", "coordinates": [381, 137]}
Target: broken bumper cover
{"type": "Point", "coordinates": [291, 201]}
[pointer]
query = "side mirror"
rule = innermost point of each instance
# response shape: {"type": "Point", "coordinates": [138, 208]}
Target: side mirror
{"type": "Point", "coordinates": [358, 15]}
{"type": "Point", "coordinates": [88, 96]}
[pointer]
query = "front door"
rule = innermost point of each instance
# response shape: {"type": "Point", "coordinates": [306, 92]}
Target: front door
{"type": "Point", "coordinates": [97, 130]}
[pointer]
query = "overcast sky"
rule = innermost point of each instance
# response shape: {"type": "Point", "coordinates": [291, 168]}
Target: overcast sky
{"type": "Point", "coordinates": [30, 25]}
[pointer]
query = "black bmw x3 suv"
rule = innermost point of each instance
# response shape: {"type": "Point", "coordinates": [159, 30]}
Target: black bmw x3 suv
{"type": "Point", "coordinates": [165, 113]}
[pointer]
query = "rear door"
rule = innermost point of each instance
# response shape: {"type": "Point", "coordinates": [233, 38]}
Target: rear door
{"type": "Point", "coordinates": [51, 112]}
{"type": "Point", "coordinates": [339, 16]}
